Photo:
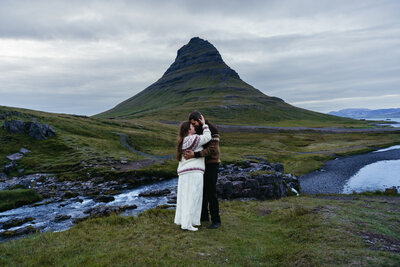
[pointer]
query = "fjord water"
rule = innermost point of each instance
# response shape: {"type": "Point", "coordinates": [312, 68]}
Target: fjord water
{"type": "Point", "coordinates": [376, 176]}
{"type": "Point", "coordinates": [394, 122]}
{"type": "Point", "coordinates": [379, 175]}
{"type": "Point", "coordinates": [367, 168]}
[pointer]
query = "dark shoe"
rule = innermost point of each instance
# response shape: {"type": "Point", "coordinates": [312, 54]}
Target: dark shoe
{"type": "Point", "coordinates": [214, 225]}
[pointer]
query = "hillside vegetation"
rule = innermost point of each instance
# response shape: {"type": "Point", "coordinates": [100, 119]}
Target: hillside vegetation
{"type": "Point", "coordinates": [85, 145]}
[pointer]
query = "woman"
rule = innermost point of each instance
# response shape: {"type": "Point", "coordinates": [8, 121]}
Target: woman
{"type": "Point", "coordinates": [190, 183]}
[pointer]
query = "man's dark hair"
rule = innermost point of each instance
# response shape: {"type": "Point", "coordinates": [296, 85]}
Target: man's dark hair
{"type": "Point", "coordinates": [195, 115]}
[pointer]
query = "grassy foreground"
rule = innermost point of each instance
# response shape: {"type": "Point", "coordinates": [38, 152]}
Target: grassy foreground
{"type": "Point", "coordinates": [11, 199]}
{"type": "Point", "coordinates": [295, 231]}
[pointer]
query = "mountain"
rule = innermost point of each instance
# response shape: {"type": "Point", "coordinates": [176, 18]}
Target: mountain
{"type": "Point", "coordinates": [199, 79]}
{"type": "Point", "coordinates": [367, 113]}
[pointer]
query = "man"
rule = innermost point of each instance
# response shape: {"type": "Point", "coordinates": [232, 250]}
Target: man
{"type": "Point", "coordinates": [212, 160]}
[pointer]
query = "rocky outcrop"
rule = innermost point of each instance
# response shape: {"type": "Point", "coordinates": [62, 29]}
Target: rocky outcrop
{"type": "Point", "coordinates": [34, 129]}
{"type": "Point", "coordinates": [256, 179]}
{"type": "Point", "coordinates": [103, 211]}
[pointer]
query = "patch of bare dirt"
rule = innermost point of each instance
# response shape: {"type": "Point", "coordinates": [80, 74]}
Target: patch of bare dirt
{"type": "Point", "coordinates": [134, 165]}
{"type": "Point", "coordinates": [381, 242]}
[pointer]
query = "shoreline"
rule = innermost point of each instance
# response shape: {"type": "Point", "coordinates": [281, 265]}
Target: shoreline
{"type": "Point", "coordinates": [335, 174]}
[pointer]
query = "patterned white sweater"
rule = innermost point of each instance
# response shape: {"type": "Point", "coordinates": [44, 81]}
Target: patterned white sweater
{"type": "Point", "coordinates": [195, 143]}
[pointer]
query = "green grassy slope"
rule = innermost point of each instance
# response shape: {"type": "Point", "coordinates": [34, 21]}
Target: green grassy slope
{"type": "Point", "coordinates": [85, 145]}
{"type": "Point", "coordinates": [82, 142]}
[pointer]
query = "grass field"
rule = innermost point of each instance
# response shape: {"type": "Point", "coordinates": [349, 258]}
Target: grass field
{"type": "Point", "coordinates": [295, 231]}
{"type": "Point", "coordinates": [93, 145]}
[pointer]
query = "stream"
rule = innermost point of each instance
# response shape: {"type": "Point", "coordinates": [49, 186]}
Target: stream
{"type": "Point", "coordinates": [44, 214]}
{"type": "Point", "coordinates": [371, 171]}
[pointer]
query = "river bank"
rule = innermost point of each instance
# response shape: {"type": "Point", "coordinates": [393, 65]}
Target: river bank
{"type": "Point", "coordinates": [69, 202]}
{"type": "Point", "coordinates": [332, 178]}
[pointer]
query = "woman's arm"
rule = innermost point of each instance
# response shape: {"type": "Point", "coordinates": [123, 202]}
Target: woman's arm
{"type": "Point", "coordinates": [205, 137]}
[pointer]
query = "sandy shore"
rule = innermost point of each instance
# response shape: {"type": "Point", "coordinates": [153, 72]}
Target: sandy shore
{"type": "Point", "coordinates": [335, 174]}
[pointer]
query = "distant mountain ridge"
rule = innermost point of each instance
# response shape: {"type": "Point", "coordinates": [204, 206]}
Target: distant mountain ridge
{"type": "Point", "coordinates": [358, 113]}
{"type": "Point", "coordinates": [199, 79]}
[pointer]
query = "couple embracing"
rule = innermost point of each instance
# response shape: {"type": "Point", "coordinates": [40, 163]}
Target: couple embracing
{"type": "Point", "coordinates": [198, 156]}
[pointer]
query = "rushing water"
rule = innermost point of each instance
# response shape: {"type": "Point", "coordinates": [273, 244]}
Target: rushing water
{"type": "Point", "coordinates": [45, 214]}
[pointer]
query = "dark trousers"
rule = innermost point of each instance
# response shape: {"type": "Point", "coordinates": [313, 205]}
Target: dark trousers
{"type": "Point", "coordinates": [210, 199]}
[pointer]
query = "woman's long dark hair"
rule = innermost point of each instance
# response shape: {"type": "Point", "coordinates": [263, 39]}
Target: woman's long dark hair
{"type": "Point", "coordinates": [183, 132]}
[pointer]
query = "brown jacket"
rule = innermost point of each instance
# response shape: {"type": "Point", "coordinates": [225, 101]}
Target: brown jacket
{"type": "Point", "coordinates": [211, 150]}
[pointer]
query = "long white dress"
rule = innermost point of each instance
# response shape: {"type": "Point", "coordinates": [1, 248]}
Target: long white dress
{"type": "Point", "coordinates": [190, 183]}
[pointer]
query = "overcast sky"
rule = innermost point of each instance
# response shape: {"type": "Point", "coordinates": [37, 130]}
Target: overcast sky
{"type": "Point", "coordinates": [84, 57]}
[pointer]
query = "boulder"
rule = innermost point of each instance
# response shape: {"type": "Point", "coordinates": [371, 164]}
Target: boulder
{"type": "Point", "coordinates": [9, 168]}
{"type": "Point", "coordinates": [41, 131]}
{"type": "Point", "coordinates": [226, 189]}
{"type": "Point", "coordinates": [61, 217]}
{"type": "Point", "coordinates": [278, 167]}
{"type": "Point", "coordinates": [237, 188]}
{"type": "Point", "coordinates": [3, 176]}
{"type": "Point", "coordinates": [15, 156]}
{"type": "Point", "coordinates": [155, 193]}
{"type": "Point", "coordinates": [24, 151]}
{"type": "Point", "coordinates": [15, 126]}
{"type": "Point", "coordinates": [105, 199]}
{"type": "Point", "coordinates": [70, 194]}
{"type": "Point", "coordinates": [35, 129]}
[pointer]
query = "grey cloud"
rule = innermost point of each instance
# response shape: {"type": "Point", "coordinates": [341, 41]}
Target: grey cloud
{"type": "Point", "coordinates": [107, 51]}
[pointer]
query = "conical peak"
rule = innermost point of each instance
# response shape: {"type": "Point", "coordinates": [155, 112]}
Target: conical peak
{"type": "Point", "coordinates": [197, 46]}
{"type": "Point", "coordinates": [197, 51]}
